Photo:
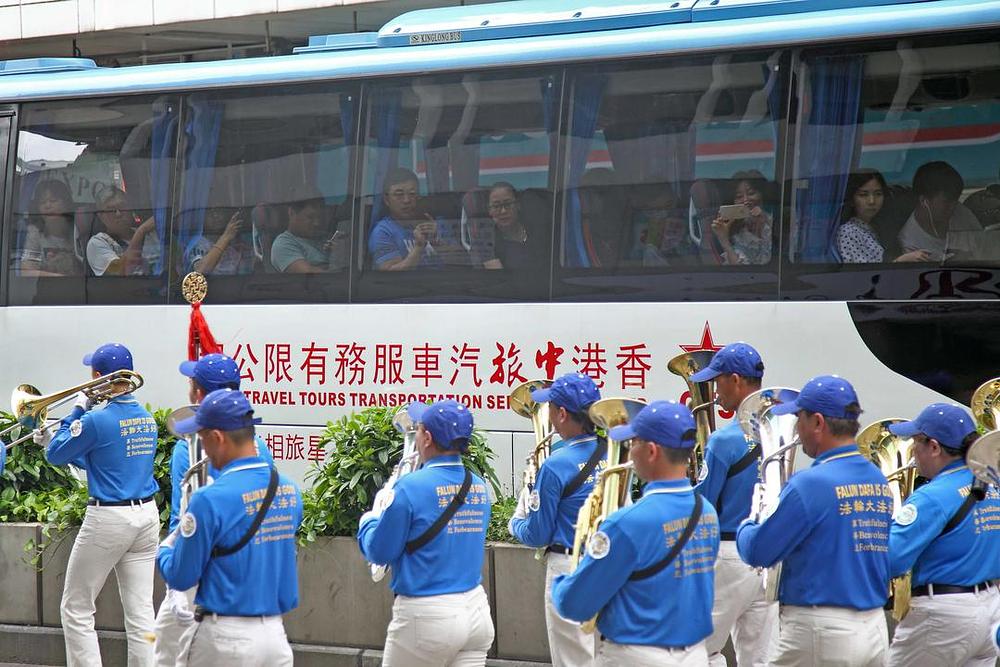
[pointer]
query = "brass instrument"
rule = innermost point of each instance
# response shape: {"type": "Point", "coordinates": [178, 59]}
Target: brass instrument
{"type": "Point", "coordinates": [702, 402]}
{"type": "Point", "coordinates": [986, 404]}
{"type": "Point", "coordinates": [983, 458]}
{"type": "Point", "coordinates": [614, 485]}
{"type": "Point", "coordinates": [409, 462]}
{"type": "Point", "coordinates": [196, 475]}
{"type": "Point", "coordinates": [522, 403]}
{"type": "Point", "coordinates": [894, 457]}
{"type": "Point", "coordinates": [30, 408]}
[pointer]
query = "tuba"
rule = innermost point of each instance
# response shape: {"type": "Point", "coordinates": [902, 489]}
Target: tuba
{"type": "Point", "coordinates": [196, 475]}
{"type": "Point", "coordinates": [702, 401]}
{"type": "Point", "coordinates": [983, 458]}
{"type": "Point", "coordinates": [777, 439]}
{"type": "Point", "coordinates": [409, 462]}
{"type": "Point", "coordinates": [614, 486]}
{"type": "Point", "coordinates": [522, 403]}
{"type": "Point", "coordinates": [894, 457]}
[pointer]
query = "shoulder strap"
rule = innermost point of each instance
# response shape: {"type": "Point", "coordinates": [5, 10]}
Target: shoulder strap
{"type": "Point", "coordinates": [963, 511]}
{"type": "Point", "coordinates": [678, 545]}
{"type": "Point", "coordinates": [752, 455]}
{"type": "Point", "coordinates": [272, 487]}
{"type": "Point", "coordinates": [588, 468]}
{"type": "Point", "coordinates": [442, 521]}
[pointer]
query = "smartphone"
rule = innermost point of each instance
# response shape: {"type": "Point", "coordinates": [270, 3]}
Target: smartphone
{"type": "Point", "coordinates": [734, 212]}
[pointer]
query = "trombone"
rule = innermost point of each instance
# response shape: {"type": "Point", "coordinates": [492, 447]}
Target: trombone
{"type": "Point", "coordinates": [31, 409]}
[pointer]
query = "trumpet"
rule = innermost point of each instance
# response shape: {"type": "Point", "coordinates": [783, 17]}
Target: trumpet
{"type": "Point", "coordinates": [409, 462]}
{"type": "Point", "coordinates": [702, 402]}
{"type": "Point", "coordinates": [522, 403]}
{"type": "Point", "coordinates": [31, 409]}
{"type": "Point", "coordinates": [197, 472]}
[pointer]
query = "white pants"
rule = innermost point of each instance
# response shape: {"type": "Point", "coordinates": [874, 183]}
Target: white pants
{"type": "Point", "coordinates": [234, 641]}
{"type": "Point", "coordinates": [949, 630]}
{"type": "Point", "coordinates": [452, 630]}
{"type": "Point", "coordinates": [740, 608]}
{"type": "Point", "coordinates": [123, 539]}
{"type": "Point", "coordinates": [831, 637]}
{"type": "Point", "coordinates": [611, 654]}
{"type": "Point", "coordinates": [568, 644]}
{"type": "Point", "coordinates": [169, 629]}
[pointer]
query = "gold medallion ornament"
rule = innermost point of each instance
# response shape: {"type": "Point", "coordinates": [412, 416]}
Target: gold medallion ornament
{"type": "Point", "coordinates": [194, 287]}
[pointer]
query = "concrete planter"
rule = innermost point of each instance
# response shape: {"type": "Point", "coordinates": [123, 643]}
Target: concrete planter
{"type": "Point", "coordinates": [21, 581]}
{"type": "Point", "coordinates": [518, 603]}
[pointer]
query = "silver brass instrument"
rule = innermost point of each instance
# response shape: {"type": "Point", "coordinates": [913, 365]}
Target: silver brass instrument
{"type": "Point", "coordinates": [522, 403]}
{"type": "Point", "coordinates": [702, 401]}
{"type": "Point", "coordinates": [409, 462]}
{"type": "Point", "coordinates": [614, 485]}
{"type": "Point", "coordinates": [778, 440]}
{"type": "Point", "coordinates": [196, 475]}
{"type": "Point", "coordinates": [983, 458]}
{"type": "Point", "coordinates": [30, 408]}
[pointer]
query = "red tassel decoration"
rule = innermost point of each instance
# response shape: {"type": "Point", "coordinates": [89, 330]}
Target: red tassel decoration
{"type": "Point", "coordinates": [200, 339]}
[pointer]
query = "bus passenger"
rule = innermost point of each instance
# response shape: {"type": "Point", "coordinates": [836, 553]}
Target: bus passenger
{"type": "Point", "coordinates": [50, 240]}
{"type": "Point", "coordinates": [857, 240]}
{"type": "Point", "coordinates": [662, 231]}
{"type": "Point", "coordinates": [301, 248]}
{"type": "Point", "coordinates": [222, 250]}
{"type": "Point", "coordinates": [123, 249]}
{"type": "Point", "coordinates": [509, 243]}
{"type": "Point", "coordinates": [746, 239]}
{"type": "Point", "coordinates": [937, 187]}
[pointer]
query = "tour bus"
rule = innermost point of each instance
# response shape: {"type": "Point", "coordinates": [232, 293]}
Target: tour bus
{"type": "Point", "coordinates": [578, 186]}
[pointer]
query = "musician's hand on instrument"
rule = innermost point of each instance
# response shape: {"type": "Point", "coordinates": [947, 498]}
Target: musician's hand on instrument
{"type": "Point", "coordinates": [168, 541]}
{"type": "Point", "coordinates": [178, 605]}
{"type": "Point", "coordinates": [757, 503]}
{"type": "Point", "coordinates": [522, 509]}
{"type": "Point", "coordinates": [383, 499]}
{"type": "Point", "coordinates": [41, 436]}
{"type": "Point", "coordinates": [83, 402]}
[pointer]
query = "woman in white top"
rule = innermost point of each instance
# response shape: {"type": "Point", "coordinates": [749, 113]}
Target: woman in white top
{"type": "Point", "coordinates": [857, 242]}
{"type": "Point", "coordinates": [49, 242]}
{"type": "Point", "coordinates": [746, 240]}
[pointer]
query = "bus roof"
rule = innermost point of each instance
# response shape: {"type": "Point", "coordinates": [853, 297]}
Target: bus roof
{"type": "Point", "coordinates": [733, 31]}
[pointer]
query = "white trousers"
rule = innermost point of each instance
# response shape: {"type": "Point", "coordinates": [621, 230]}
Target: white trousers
{"type": "Point", "coordinates": [740, 609]}
{"type": "Point", "coordinates": [949, 630]}
{"type": "Point", "coordinates": [169, 629]}
{"type": "Point", "coordinates": [569, 646]}
{"type": "Point", "coordinates": [122, 539]}
{"type": "Point", "coordinates": [452, 630]}
{"type": "Point", "coordinates": [611, 654]}
{"type": "Point", "coordinates": [234, 641]}
{"type": "Point", "coordinates": [831, 637]}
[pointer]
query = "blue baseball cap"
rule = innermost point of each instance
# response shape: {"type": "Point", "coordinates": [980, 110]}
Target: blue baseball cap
{"type": "Point", "coordinates": [449, 422]}
{"type": "Point", "coordinates": [574, 391]}
{"type": "Point", "coordinates": [666, 423]}
{"type": "Point", "coordinates": [213, 371]}
{"type": "Point", "coordinates": [109, 358]}
{"type": "Point", "coordinates": [829, 395]}
{"type": "Point", "coordinates": [739, 358]}
{"type": "Point", "coordinates": [946, 423]}
{"type": "Point", "coordinates": [223, 409]}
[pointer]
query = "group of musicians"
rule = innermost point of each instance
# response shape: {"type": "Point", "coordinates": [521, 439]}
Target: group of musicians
{"type": "Point", "coordinates": [670, 576]}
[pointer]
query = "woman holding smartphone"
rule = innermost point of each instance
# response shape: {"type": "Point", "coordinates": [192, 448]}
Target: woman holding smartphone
{"type": "Point", "coordinates": [222, 250]}
{"type": "Point", "coordinates": [744, 230]}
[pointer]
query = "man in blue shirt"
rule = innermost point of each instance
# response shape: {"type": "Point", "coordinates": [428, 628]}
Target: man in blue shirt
{"type": "Point", "coordinates": [431, 529]}
{"type": "Point", "coordinates": [236, 542]}
{"type": "Point", "coordinates": [649, 570]}
{"type": "Point", "coordinates": [952, 545]}
{"type": "Point", "coordinates": [210, 373]}
{"type": "Point", "coordinates": [548, 518]}
{"type": "Point", "coordinates": [728, 475]}
{"type": "Point", "coordinates": [830, 532]}
{"type": "Point", "coordinates": [116, 445]}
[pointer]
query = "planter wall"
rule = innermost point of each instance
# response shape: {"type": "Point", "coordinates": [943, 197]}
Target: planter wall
{"type": "Point", "coordinates": [21, 581]}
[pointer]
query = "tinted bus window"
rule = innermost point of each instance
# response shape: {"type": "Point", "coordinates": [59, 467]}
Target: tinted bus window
{"type": "Point", "coordinates": [670, 170]}
{"type": "Point", "coordinates": [91, 201]}
{"type": "Point", "coordinates": [896, 191]}
{"type": "Point", "coordinates": [264, 208]}
{"type": "Point", "coordinates": [457, 198]}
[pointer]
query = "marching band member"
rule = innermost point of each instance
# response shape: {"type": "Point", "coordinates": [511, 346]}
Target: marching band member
{"type": "Point", "coordinates": [951, 543]}
{"type": "Point", "coordinates": [116, 445]}
{"type": "Point", "coordinates": [728, 475]}
{"type": "Point", "coordinates": [237, 543]}
{"type": "Point", "coordinates": [210, 373]}
{"type": "Point", "coordinates": [649, 570]}
{"type": "Point", "coordinates": [431, 528]}
{"type": "Point", "coordinates": [830, 529]}
{"type": "Point", "coordinates": [548, 517]}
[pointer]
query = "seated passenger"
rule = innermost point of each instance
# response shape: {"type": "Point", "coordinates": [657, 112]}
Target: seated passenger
{"type": "Point", "coordinates": [985, 205]}
{"type": "Point", "coordinates": [602, 209]}
{"type": "Point", "coordinates": [125, 248]}
{"type": "Point", "coordinates": [303, 247]}
{"type": "Point", "coordinates": [746, 237]}
{"type": "Point", "coordinates": [857, 239]}
{"type": "Point", "coordinates": [662, 231]}
{"type": "Point", "coordinates": [407, 237]}
{"type": "Point", "coordinates": [939, 224]}
{"type": "Point", "coordinates": [222, 249]}
{"type": "Point", "coordinates": [510, 242]}
{"type": "Point", "coordinates": [50, 238]}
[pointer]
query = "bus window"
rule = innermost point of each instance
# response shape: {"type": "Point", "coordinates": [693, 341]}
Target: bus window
{"type": "Point", "coordinates": [896, 191]}
{"type": "Point", "coordinates": [264, 208]}
{"type": "Point", "coordinates": [457, 180]}
{"type": "Point", "coordinates": [91, 201]}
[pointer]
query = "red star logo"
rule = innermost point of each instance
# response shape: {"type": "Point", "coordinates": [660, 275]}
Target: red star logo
{"type": "Point", "coordinates": [706, 342]}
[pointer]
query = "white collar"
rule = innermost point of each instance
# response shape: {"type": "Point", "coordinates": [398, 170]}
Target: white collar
{"type": "Point", "coordinates": [681, 489]}
{"type": "Point", "coordinates": [248, 466]}
{"type": "Point", "coordinates": [579, 440]}
{"type": "Point", "coordinates": [442, 465]}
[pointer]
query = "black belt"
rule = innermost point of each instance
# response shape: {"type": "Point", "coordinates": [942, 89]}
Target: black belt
{"type": "Point", "coordinates": [200, 613]}
{"type": "Point", "coordinates": [94, 502]}
{"type": "Point", "coordinates": [948, 589]}
{"type": "Point", "coordinates": [727, 537]}
{"type": "Point", "coordinates": [559, 549]}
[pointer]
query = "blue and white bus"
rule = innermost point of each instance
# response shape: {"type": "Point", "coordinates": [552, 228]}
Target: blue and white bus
{"type": "Point", "coordinates": [677, 178]}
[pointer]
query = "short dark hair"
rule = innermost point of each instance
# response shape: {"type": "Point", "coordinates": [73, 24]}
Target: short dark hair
{"type": "Point", "coordinates": [396, 176]}
{"type": "Point", "coordinates": [583, 419]}
{"type": "Point", "coordinates": [963, 448]}
{"type": "Point", "coordinates": [677, 456]}
{"type": "Point", "coordinates": [243, 434]}
{"type": "Point", "coordinates": [934, 178]}
{"type": "Point", "coordinates": [503, 185]}
{"type": "Point", "coordinates": [842, 426]}
{"type": "Point", "coordinates": [752, 381]}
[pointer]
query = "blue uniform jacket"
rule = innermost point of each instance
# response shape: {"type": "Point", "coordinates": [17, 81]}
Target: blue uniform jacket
{"type": "Point", "coordinates": [450, 563]}
{"type": "Point", "coordinates": [115, 444]}
{"type": "Point", "coordinates": [179, 464]}
{"type": "Point", "coordinates": [831, 531]}
{"type": "Point", "coordinates": [969, 554]}
{"type": "Point", "coordinates": [261, 579]}
{"type": "Point", "coordinates": [554, 522]}
{"type": "Point", "coordinates": [731, 497]}
{"type": "Point", "coordinates": [669, 609]}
